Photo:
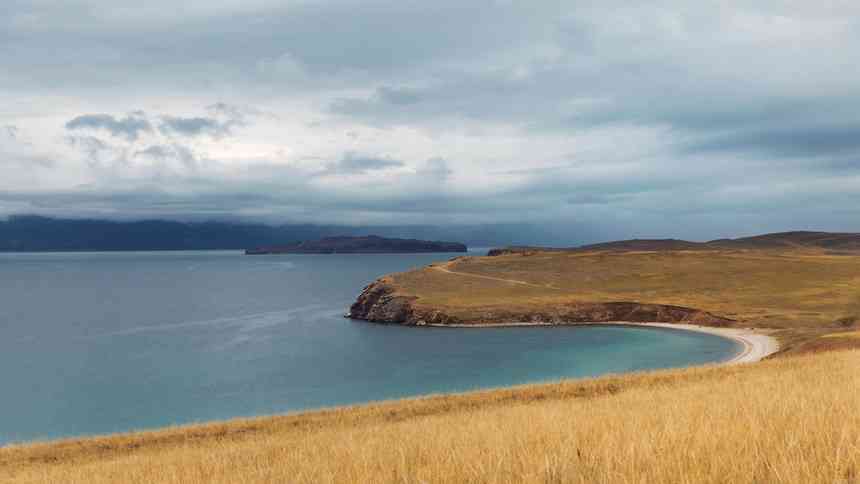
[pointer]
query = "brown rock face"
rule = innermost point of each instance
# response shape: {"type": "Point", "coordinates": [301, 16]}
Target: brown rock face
{"type": "Point", "coordinates": [380, 303]}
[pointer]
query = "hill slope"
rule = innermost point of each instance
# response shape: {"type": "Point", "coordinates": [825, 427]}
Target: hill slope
{"type": "Point", "coordinates": [798, 240]}
{"type": "Point", "coordinates": [827, 241]}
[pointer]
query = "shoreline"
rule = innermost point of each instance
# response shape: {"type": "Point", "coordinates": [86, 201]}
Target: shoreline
{"type": "Point", "coordinates": [755, 346]}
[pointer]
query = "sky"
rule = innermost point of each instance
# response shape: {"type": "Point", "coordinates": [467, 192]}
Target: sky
{"type": "Point", "coordinates": [677, 119]}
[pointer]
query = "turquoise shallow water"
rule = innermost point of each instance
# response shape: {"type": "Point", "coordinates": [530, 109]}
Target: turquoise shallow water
{"type": "Point", "coordinates": [106, 342]}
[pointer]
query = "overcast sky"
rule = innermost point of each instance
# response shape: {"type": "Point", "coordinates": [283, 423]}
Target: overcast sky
{"type": "Point", "coordinates": [687, 119]}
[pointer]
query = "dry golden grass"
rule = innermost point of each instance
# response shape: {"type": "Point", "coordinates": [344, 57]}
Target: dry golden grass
{"type": "Point", "coordinates": [791, 420]}
{"type": "Point", "coordinates": [804, 293]}
{"type": "Point", "coordinates": [848, 334]}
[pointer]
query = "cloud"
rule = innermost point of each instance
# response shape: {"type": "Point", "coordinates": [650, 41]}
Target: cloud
{"type": "Point", "coordinates": [166, 153]}
{"type": "Point", "coordinates": [196, 126]}
{"type": "Point", "coordinates": [129, 127]}
{"type": "Point", "coordinates": [398, 96]}
{"type": "Point", "coordinates": [230, 111]}
{"type": "Point", "coordinates": [17, 153]}
{"type": "Point", "coordinates": [226, 118]}
{"type": "Point", "coordinates": [800, 142]}
{"type": "Point", "coordinates": [435, 169]}
{"type": "Point", "coordinates": [91, 146]}
{"type": "Point", "coordinates": [155, 151]}
{"type": "Point", "coordinates": [239, 114]}
{"type": "Point", "coordinates": [353, 164]}
{"type": "Point", "coordinates": [672, 118]}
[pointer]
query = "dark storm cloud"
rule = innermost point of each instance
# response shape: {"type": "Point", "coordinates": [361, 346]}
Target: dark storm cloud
{"type": "Point", "coordinates": [129, 127]}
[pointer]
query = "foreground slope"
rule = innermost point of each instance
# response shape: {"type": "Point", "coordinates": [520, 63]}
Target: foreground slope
{"type": "Point", "coordinates": [790, 420]}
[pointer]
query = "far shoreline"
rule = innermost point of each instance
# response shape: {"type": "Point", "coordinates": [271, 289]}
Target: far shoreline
{"type": "Point", "coordinates": [755, 345]}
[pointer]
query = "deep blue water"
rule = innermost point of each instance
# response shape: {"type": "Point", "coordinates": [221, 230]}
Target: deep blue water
{"type": "Point", "coordinates": [105, 342]}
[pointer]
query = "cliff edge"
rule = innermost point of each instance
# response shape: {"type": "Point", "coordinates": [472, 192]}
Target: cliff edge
{"type": "Point", "coordinates": [380, 302]}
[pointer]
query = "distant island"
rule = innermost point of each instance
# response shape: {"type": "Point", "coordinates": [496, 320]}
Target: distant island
{"type": "Point", "coordinates": [370, 244]}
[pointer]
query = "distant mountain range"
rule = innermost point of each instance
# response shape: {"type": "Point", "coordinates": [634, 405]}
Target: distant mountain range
{"type": "Point", "coordinates": [361, 245]}
{"type": "Point", "coordinates": [826, 241]}
{"type": "Point", "coordinates": [28, 233]}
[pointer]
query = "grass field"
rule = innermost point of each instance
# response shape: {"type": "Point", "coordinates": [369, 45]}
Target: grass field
{"type": "Point", "coordinates": [789, 420]}
{"type": "Point", "coordinates": [800, 295]}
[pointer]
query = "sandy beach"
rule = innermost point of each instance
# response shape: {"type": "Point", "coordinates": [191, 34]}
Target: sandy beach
{"type": "Point", "coordinates": [755, 345]}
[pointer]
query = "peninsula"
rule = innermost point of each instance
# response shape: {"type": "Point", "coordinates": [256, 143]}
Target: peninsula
{"type": "Point", "coordinates": [799, 287]}
{"type": "Point", "coordinates": [370, 244]}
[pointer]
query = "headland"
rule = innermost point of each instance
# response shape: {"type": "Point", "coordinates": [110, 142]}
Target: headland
{"type": "Point", "coordinates": [797, 287]}
{"type": "Point", "coordinates": [370, 244]}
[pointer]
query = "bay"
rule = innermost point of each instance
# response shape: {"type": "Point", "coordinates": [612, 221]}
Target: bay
{"type": "Point", "coordinates": [93, 343]}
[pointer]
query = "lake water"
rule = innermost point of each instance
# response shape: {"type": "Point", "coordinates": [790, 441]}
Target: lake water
{"type": "Point", "coordinates": [106, 342]}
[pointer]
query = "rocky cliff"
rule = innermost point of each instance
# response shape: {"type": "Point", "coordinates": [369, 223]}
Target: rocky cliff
{"type": "Point", "coordinates": [380, 302]}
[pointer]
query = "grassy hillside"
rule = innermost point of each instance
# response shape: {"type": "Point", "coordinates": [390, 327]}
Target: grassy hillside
{"type": "Point", "coordinates": [790, 420]}
{"type": "Point", "coordinates": [831, 242]}
{"type": "Point", "coordinates": [799, 294]}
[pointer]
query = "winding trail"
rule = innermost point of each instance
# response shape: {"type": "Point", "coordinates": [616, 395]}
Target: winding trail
{"type": "Point", "coordinates": [445, 269]}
